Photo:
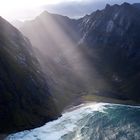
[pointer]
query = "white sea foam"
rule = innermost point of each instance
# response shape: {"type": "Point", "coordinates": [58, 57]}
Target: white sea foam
{"type": "Point", "coordinates": [87, 121]}
{"type": "Point", "coordinates": [58, 128]}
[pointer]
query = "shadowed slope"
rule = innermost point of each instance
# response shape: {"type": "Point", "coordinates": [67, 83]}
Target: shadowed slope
{"type": "Point", "coordinates": [25, 101]}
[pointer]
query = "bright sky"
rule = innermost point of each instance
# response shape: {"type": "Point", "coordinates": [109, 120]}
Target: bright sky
{"type": "Point", "coordinates": [28, 9]}
{"type": "Point", "coordinates": [12, 8]}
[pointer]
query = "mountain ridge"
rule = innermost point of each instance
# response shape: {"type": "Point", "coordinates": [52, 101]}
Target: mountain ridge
{"type": "Point", "coordinates": [108, 43]}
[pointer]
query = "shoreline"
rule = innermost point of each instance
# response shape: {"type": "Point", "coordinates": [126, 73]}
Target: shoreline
{"type": "Point", "coordinates": [97, 99]}
{"type": "Point", "coordinates": [90, 99]}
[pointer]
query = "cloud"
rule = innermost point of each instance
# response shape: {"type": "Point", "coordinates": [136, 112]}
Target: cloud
{"type": "Point", "coordinates": [76, 9]}
{"type": "Point", "coordinates": [71, 8]}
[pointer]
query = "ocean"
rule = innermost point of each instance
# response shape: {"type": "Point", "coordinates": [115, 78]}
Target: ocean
{"type": "Point", "coordinates": [91, 121]}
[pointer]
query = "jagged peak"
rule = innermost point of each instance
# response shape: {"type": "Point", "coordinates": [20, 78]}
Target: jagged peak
{"type": "Point", "coordinates": [44, 13]}
{"type": "Point", "coordinates": [123, 4]}
{"type": "Point", "coordinates": [116, 5]}
{"type": "Point", "coordinates": [107, 6]}
{"type": "Point", "coordinates": [126, 3]}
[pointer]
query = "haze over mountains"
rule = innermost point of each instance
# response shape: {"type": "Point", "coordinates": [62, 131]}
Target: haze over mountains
{"type": "Point", "coordinates": [67, 67]}
{"type": "Point", "coordinates": [98, 54]}
{"type": "Point", "coordinates": [102, 49]}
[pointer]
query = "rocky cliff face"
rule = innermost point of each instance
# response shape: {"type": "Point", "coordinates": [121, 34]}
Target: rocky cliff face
{"type": "Point", "coordinates": [102, 49]}
{"type": "Point", "coordinates": [113, 33]}
{"type": "Point", "coordinates": [115, 25]}
{"type": "Point", "coordinates": [25, 101]}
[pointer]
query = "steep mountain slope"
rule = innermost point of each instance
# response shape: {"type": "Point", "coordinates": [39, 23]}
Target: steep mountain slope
{"type": "Point", "coordinates": [114, 25]}
{"type": "Point", "coordinates": [113, 33]}
{"type": "Point", "coordinates": [67, 68]}
{"type": "Point", "coordinates": [97, 54]}
{"type": "Point", "coordinates": [25, 101]}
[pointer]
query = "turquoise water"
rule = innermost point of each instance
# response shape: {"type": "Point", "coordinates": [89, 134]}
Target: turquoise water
{"type": "Point", "coordinates": [94, 121]}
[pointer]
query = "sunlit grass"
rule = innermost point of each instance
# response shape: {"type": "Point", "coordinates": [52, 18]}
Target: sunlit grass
{"type": "Point", "coordinates": [95, 98]}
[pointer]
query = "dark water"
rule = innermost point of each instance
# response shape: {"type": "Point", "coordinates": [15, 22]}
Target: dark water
{"type": "Point", "coordinates": [96, 121]}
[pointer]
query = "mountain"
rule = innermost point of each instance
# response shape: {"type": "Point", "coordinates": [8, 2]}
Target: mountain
{"type": "Point", "coordinates": [17, 23]}
{"type": "Point", "coordinates": [25, 100]}
{"type": "Point", "coordinates": [67, 68]}
{"type": "Point", "coordinates": [113, 33]}
{"type": "Point", "coordinates": [97, 54]}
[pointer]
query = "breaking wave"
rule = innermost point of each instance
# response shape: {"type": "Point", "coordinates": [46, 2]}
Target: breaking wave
{"type": "Point", "coordinates": [94, 121]}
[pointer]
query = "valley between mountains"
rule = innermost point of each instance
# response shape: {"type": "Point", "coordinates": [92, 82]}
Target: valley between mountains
{"type": "Point", "coordinates": [53, 61]}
